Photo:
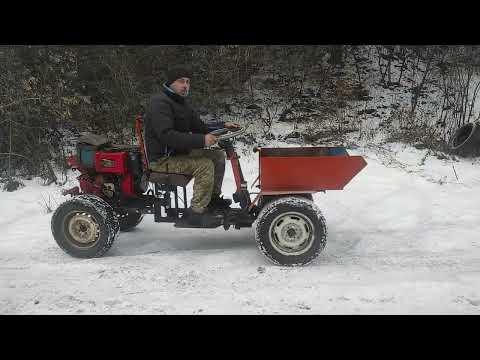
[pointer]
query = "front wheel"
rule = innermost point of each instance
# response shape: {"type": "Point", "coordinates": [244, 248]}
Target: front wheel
{"type": "Point", "coordinates": [266, 199]}
{"type": "Point", "coordinates": [85, 226]}
{"type": "Point", "coordinates": [291, 231]}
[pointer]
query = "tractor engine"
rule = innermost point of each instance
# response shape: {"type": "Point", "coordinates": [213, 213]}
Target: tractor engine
{"type": "Point", "coordinates": [113, 173]}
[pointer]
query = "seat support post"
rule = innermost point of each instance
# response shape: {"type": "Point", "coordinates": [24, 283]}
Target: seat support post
{"type": "Point", "coordinates": [176, 199]}
{"type": "Point", "coordinates": [184, 197]}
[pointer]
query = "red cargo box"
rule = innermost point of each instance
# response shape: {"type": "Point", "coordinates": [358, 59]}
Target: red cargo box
{"type": "Point", "coordinates": [114, 163]}
{"type": "Point", "coordinates": [309, 169]}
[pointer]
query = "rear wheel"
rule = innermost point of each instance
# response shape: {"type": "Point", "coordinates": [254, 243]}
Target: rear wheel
{"type": "Point", "coordinates": [128, 218]}
{"type": "Point", "coordinates": [85, 226]}
{"type": "Point", "coordinates": [291, 231]}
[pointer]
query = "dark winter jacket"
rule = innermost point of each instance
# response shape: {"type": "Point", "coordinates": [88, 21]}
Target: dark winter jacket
{"type": "Point", "coordinates": [172, 127]}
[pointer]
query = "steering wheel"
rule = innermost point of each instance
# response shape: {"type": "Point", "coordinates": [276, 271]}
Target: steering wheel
{"type": "Point", "coordinates": [224, 133]}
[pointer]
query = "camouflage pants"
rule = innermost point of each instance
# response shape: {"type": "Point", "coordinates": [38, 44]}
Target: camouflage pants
{"type": "Point", "coordinates": [207, 168]}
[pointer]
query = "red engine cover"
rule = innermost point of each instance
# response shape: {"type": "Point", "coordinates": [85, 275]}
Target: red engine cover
{"type": "Point", "coordinates": [112, 163]}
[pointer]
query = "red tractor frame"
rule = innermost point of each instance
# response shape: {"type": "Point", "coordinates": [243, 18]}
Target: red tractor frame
{"type": "Point", "coordinates": [116, 189]}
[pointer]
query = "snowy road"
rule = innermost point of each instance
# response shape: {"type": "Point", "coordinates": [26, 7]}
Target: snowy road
{"type": "Point", "coordinates": [401, 240]}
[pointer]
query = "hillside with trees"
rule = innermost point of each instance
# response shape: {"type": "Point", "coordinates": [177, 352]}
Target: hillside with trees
{"type": "Point", "coordinates": [419, 95]}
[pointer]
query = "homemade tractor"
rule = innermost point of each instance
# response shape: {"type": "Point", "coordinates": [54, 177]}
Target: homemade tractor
{"type": "Point", "coordinates": [117, 189]}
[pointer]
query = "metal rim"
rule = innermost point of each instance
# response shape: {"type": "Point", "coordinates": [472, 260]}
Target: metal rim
{"type": "Point", "coordinates": [82, 229]}
{"type": "Point", "coordinates": [291, 233]}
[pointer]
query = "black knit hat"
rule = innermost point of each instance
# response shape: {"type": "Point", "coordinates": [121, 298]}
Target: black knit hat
{"type": "Point", "coordinates": [178, 72]}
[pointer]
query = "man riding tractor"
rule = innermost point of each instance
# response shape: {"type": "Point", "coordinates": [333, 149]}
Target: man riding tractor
{"type": "Point", "coordinates": [176, 140]}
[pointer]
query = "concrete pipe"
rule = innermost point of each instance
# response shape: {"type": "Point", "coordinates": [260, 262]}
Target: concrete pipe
{"type": "Point", "coordinates": [466, 140]}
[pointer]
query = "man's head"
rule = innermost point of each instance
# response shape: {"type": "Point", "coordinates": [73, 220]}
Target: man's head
{"type": "Point", "coordinates": [178, 79]}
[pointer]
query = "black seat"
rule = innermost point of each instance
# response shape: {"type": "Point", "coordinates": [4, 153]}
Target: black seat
{"type": "Point", "coordinates": [169, 178]}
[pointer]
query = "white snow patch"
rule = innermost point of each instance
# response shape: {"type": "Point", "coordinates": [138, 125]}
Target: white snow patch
{"type": "Point", "coordinates": [403, 239]}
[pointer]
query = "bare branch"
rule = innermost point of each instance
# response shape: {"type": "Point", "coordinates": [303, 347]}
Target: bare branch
{"type": "Point", "coordinates": [18, 101]}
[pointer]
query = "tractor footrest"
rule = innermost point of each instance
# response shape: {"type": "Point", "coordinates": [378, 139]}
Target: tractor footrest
{"type": "Point", "coordinates": [180, 224]}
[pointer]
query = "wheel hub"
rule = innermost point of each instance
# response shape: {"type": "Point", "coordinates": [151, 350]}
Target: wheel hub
{"type": "Point", "coordinates": [83, 228]}
{"type": "Point", "coordinates": [291, 232]}
{"type": "Point", "coordinates": [291, 235]}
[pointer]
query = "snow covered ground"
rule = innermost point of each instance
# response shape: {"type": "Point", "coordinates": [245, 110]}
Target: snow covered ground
{"type": "Point", "coordinates": [403, 239]}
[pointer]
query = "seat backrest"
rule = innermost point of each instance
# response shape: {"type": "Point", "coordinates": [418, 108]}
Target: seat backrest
{"type": "Point", "coordinates": [141, 142]}
{"type": "Point", "coordinates": [159, 178]}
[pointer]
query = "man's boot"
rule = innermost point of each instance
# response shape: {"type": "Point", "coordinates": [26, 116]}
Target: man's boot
{"type": "Point", "coordinates": [219, 203]}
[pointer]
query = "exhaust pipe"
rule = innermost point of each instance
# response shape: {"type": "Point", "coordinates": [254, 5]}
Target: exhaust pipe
{"type": "Point", "coordinates": [466, 140]}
